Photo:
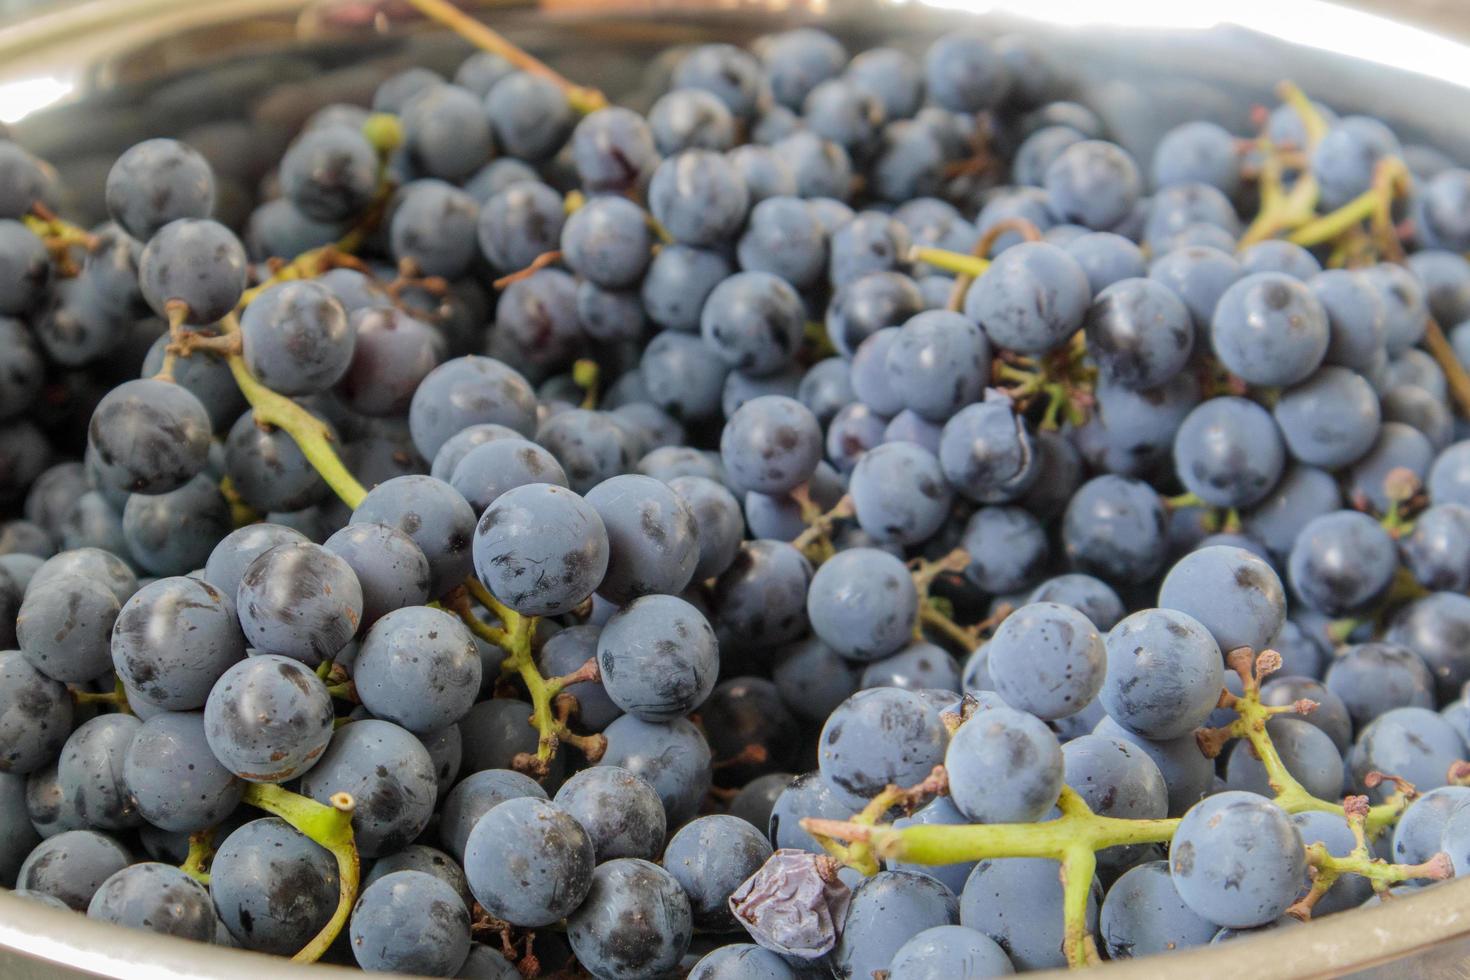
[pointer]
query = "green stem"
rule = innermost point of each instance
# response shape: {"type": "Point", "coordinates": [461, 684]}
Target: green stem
{"type": "Point", "coordinates": [201, 851]}
{"type": "Point", "coordinates": [956, 262]}
{"type": "Point", "coordinates": [1335, 223]}
{"type": "Point", "coordinates": [328, 826]}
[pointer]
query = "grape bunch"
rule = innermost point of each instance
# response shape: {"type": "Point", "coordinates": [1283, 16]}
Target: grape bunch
{"type": "Point", "coordinates": [836, 514]}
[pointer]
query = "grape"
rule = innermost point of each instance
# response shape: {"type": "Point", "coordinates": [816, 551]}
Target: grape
{"type": "Point", "coordinates": [1031, 300]}
{"type": "Point", "coordinates": [948, 951]}
{"type": "Point", "coordinates": [987, 453]}
{"type": "Point", "coordinates": [1200, 276]}
{"type": "Point", "coordinates": [1093, 183]}
{"type": "Point", "coordinates": [564, 653]}
{"type": "Point", "coordinates": [813, 678]}
{"type": "Point", "coordinates": [1163, 675]}
{"type": "Point", "coordinates": [1187, 773]}
{"type": "Point", "coordinates": [635, 921]}
{"type": "Point", "coordinates": [1131, 433]}
{"type": "Point", "coordinates": [937, 363]}
{"type": "Point", "coordinates": [529, 862]}
{"type": "Point", "coordinates": [1005, 766]}
{"type": "Point", "coordinates": [1372, 678]}
{"type": "Point", "coordinates": [1443, 275]}
{"type": "Point", "coordinates": [497, 730]}
{"type": "Point", "coordinates": [1018, 903]}
{"type": "Point", "coordinates": [766, 175]}
{"type": "Point", "coordinates": [677, 283]}
{"type": "Point", "coordinates": [1229, 452]}
{"type": "Point", "coordinates": [1342, 561]}
{"type": "Point", "coordinates": [1330, 420]}
{"type": "Point", "coordinates": [434, 226]}
{"type": "Point", "coordinates": [476, 795]}
{"type": "Point", "coordinates": [757, 798]}
{"type": "Point", "coordinates": [1306, 751]}
{"type": "Point", "coordinates": [653, 540]}
{"type": "Point", "coordinates": [698, 197]}
{"type": "Point", "coordinates": [390, 569]}
{"type": "Point", "coordinates": [391, 775]}
{"type": "Point", "coordinates": [1330, 715]}
{"type": "Point", "coordinates": [25, 269]}
{"type": "Point", "coordinates": [88, 563]}
{"type": "Point", "coordinates": [862, 604]}
{"type": "Point", "coordinates": [1413, 743]}
{"type": "Point", "coordinates": [1047, 659]}
{"type": "Point", "coordinates": [886, 911]}
{"type": "Point", "coordinates": [658, 658]}
{"type": "Point", "coordinates": [1405, 306]}
{"type": "Point", "coordinates": [1140, 332]}
{"type": "Point", "coordinates": [750, 729]}
{"type": "Point", "coordinates": [425, 859]}
{"type": "Point", "coordinates": [171, 533]}
{"type": "Point", "coordinates": [446, 133]}
{"type": "Point", "coordinates": [35, 715]}
{"type": "Point", "coordinates": [808, 795]}
{"type": "Point", "coordinates": [759, 602]}
{"type": "Point", "coordinates": [1355, 317]}
{"type": "Point", "coordinates": [173, 640]}
{"type": "Point", "coordinates": [1237, 860]}
{"type": "Point", "coordinates": [418, 668]}
{"type": "Point", "coordinates": [389, 931]}
{"type": "Point", "coordinates": [156, 898]}
{"type": "Point", "coordinates": [24, 178]}
{"type": "Point", "coordinates": [299, 600]}
{"type": "Point", "coordinates": [710, 857]}
{"type": "Point", "coordinates": [1344, 160]}
{"type": "Point", "coordinates": [529, 114]}
{"type": "Point", "coordinates": [619, 810]}
{"type": "Point", "coordinates": [518, 223]}
{"type": "Point", "coordinates": [175, 782]}
{"type": "Point", "coordinates": [272, 886]}
{"type": "Point", "coordinates": [1116, 779]}
{"type": "Point", "coordinates": [1197, 152]}
{"type": "Point", "coordinates": [1302, 494]}
{"type": "Point", "coordinates": [1231, 592]}
{"type": "Point", "coordinates": [90, 771]}
{"type": "Point", "coordinates": [1429, 626]}
{"type": "Point", "coordinates": [197, 262]}
{"type": "Point", "coordinates": [1115, 528]}
{"type": "Point", "coordinates": [155, 182]}
{"type": "Point", "coordinates": [525, 531]}
{"type": "Point", "coordinates": [19, 835]}
{"type": "Point", "coordinates": [392, 355]}
{"type": "Point", "coordinates": [672, 756]}
{"type": "Point", "coordinates": [613, 150]}
{"type": "Point", "coordinates": [1398, 446]}
{"type": "Point", "coordinates": [64, 630]}
{"type": "Point", "coordinates": [329, 173]}
{"type": "Point", "coordinates": [1175, 208]}
{"type": "Point", "coordinates": [434, 515]}
{"type": "Point", "coordinates": [880, 736]}
{"type": "Point", "coordinates": [742, 961]}
{"type": "Point", "coordinates": [268, 470]}
{"type": "Point", "coordinates": [268, 718]}
{"type": "Point", "coordinates": [72, 866]}
{"type": "Point", "coordinates": [865, 306]}
{"type": "Point", "coordinates": [1416, 837]}
{"type": "Point", "coordinates": [234, 553]}
{"type": "Point", "coordinates": [607, 241]}
{"type": "Point", "coordinates": [148, 436]}
{"type": "Point", "coordinates": [1144, 914]}
{"type": "Point", "coordinates": [1304, 650]}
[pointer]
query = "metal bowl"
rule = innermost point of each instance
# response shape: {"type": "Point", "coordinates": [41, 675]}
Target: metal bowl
{"type": "Point", "coordinates": [84, 80]}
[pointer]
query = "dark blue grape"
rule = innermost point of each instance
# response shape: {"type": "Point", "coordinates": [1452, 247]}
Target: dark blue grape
{"type": "Point", "coordinates": [1413, 743]}
{"type": "Point", "coordinates": [268, 719]}
{"type": "Point", "coordinates": [796, 61]}
{"type": "Point", "coordinates": [1373, 678]}
{"type": "Point", "coordinates": [1187, 773]}
{"type": "Point", "coordinates": [710, 857]}
{"type": "Point", "coordinates": [1398, 446]}
{"type": "Point", "coordinates": [1031, 299]}
{"type": "Point", "coordinates": [268, 469]}
{"type": "Point", "coordinates": [1416, 837]}
{"type": "Point", "coordinates": [65, 630]}
{"type": "Point", "coordinates": [1345, 159]}
{"type": "Point", "coordinates": [658, 658]}
{"type": "Point", "coordinates": [1197, 152]}
{"type": "Point", "coordinates": [273, 888]}
{"type": "Point", "coordinates": [1164, 674]}
{"type": "Point", "coordinates": [434, 226]}
{"type": "Point", "coordinates": [1269, 329]}
{"type": "Point", "coordinates": [173, 639]}
{"type": "Point", "coordinates": [529, 115]}
{"type": "Point", "coordinates": [1115, 528]}
{"type": "Point", "coordinates": [72, 866]}
{"type": "Point", "coordinates": [613, 150]}
{"type": "Point", "coordinates": [886, 911]}
{"type": "Point", "coordinates": [1004, 766]}
{"type": "Point", "coordinates": [389, 772]}
{"type": "Point", "coordinates": [299, 600]}
{"type": "Point", "coordinates": [172, 533]}
{"type": "Point", "coordinates": [519, 223]}
{"type": "Point", "coordinates": [691, 119]}
{"type": "Point", "coordinates": [900, 493]}
{"type": "Point", "coordinates": [155, 182]}
{"type": "Point", "coordinates": [845, 113]}
{"type": "Point", "coordinates": [1143, 914]}
{"type": "Point", "coordinates": [1140, 333]}
{"type": "Point", "coordinates": [607, 241]}
{"type": "Point", "coordinates": [1018, 903]}
{"type": "Point", "coordinates": [862, 604]}
{"type": "Point", "coordinates": [446, 133]}
{"type": "Point", "coordinates": [1355, 317]}
{"type": "Point", "coordinates": [392, 355]}
{"type": "Point", "coordinates": [1229, 452]}
{"type": "Point", "coordinates": [1280, 257]}
{"type": "Point", "coordinates": [1175, 208]}
{"type": "Point", "coordinates": [541, 549]}
{"type": "Point", "coordinates": [1231, 592]}
{"type": "Point", "coordinates": [880, 736]}
{"type": "Point", "coordinates": [1047, 659]}
{"type": "Point", "coordinates": [410, 922]}
{"type": "Point", "coordinates": [329, 173]}
{"type": "Point", "coordinates": [1342, 561]}
{"type": "Point", "coordinates": [476, 795]}
{"type": "Point", "coordinates": [635, 921]}
{"type": "Point", "coordinates": [390, 569]}
{"type": "Point", "coordinates": [173, 778]}
{"type": "Point", "coordinates": [964, 73]}
{"type": "Point", "coordinates": [434, 515]}
{"type": "Point", "coordinates": [590, 446]}
{"type": "Point", "coordinates": [742, 961]}
{"type": "Point", "coordinates": [698, 197]}
{"type": "Point", "coordinates": [1405, 305]}
{"type": "Point", "coordinates": [1200, 275]}
{"type": "Point", "coordinates": [197, 262]}
{"type": "Point", "coordinates": [1237, 860]}
{"type": "Point", "coordinates": [1431, 626]}
{"type": "Point", "coordinates": [155, 898]}
{"type": "Point", "coordinates": [1093, 183]}
{"type": "Point", "coordinates": [529, 862]}
{"type": "Point", "coordinates": [766, 174]}
{"type": "Point", "coordinates": [90, 771]}
{"type": "Point", "coordinates": [148, 436]}
{"type": "Point", "coordinates": [418, 668]}
{"type": "Point", "coordinates": [678, 281]}
{"type": "Point", "coordinates": [234, 553]}
{"type": "Point", "coordinates": [673, 757]}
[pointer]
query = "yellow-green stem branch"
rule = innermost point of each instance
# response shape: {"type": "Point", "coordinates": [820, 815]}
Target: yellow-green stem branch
{"type": "Point", "coordinates": [328, 826]}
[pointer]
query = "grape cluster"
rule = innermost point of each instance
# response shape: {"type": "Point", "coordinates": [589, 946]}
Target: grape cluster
{"type": "Point", "coordinates": [849, 518]}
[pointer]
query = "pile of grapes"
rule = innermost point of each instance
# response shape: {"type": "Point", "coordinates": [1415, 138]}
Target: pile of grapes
{"type": "Point", "coordinates": [851, 520]}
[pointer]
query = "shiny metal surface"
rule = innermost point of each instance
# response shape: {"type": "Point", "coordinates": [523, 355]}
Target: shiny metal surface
{"type": "Point", "coordinates": [114, 71]}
